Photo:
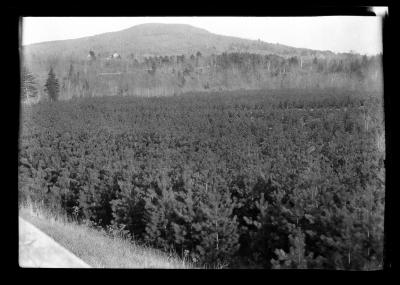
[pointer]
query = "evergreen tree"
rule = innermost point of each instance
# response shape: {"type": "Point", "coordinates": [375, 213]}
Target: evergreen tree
{"type": "Point", "coordinates": [216, 230]}
{"type": "Point", "coordinates": [52, 86]}
{"type": "Point", "coordinates": [71, 72]}
{"type": "Point", "coordinates": [28, 82]}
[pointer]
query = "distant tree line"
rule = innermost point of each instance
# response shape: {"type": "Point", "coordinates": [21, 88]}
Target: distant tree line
{"type": "Point", "coordinates": [171, 74]}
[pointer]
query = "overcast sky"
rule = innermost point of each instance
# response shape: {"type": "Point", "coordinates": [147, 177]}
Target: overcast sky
{"type": "Point", "coordinates": [338, 34]}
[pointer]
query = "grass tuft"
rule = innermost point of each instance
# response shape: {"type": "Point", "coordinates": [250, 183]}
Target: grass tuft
{"type": "Point", "coordinates": [97, 248]}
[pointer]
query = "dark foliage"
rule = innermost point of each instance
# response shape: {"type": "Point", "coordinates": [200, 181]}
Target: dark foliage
{"type": "Point", "coordinates": [270, 179]}
{"type": "Point", "coordinates": [52, 86]}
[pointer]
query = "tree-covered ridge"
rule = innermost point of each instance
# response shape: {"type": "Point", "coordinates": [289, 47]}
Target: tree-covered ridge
{"type": "Point", "coordinates": [102, 75]}
{"type": "Point", "coordinates": [273, 179]}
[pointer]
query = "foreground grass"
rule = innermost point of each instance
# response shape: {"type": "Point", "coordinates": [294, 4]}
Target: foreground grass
{"type": "Point", "coordinates": [97, 249]}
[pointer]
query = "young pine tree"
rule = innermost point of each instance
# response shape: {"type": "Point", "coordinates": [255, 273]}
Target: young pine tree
{"type": "Point", "coordinates": [296, 258]}
{"type": "Point", "coordinates": [52, 86]}
{"type": "Point", "coordinates": [217, 230]}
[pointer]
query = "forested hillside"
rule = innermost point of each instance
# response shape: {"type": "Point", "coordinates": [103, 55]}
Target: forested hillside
{"type": "Point", "coordinates": [268, 179]}
{"type": "Point", "coordinates": [159, 59]}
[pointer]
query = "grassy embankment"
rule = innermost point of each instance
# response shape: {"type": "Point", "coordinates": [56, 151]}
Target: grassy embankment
{"type": "Point", "coordinates": [97, 248]}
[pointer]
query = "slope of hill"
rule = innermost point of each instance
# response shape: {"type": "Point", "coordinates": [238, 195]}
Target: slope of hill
{"type": "Point", "coordinates": [159, 39]}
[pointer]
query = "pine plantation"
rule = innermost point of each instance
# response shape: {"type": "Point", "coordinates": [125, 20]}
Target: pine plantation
{"type": "Point", "coordinates": [260, 179]}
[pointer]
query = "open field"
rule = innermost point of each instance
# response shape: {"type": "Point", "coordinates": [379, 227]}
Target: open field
{"type": "Point", "coordinates": [260, 179]}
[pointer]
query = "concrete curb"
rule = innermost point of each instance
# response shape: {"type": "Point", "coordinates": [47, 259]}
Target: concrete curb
{"type": "Point", "coordinates": [36, 249]}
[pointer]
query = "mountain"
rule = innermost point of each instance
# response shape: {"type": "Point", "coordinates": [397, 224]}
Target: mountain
{"type": "Point", "coordinates": [159, 39]}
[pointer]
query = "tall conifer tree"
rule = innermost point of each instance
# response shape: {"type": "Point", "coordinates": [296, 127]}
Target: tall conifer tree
{"type": "Point", "coordinates": [28, 84]}
{"type": "Point", "coordinates": [52, 86]}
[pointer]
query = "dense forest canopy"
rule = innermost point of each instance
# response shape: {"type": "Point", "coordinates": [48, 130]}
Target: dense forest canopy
{"type": "Point", "coordinates": [268, 179]}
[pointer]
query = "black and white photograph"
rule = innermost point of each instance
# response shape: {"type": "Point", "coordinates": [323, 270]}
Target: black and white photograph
{"type": "Point", "coordinates": [202, 142]}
